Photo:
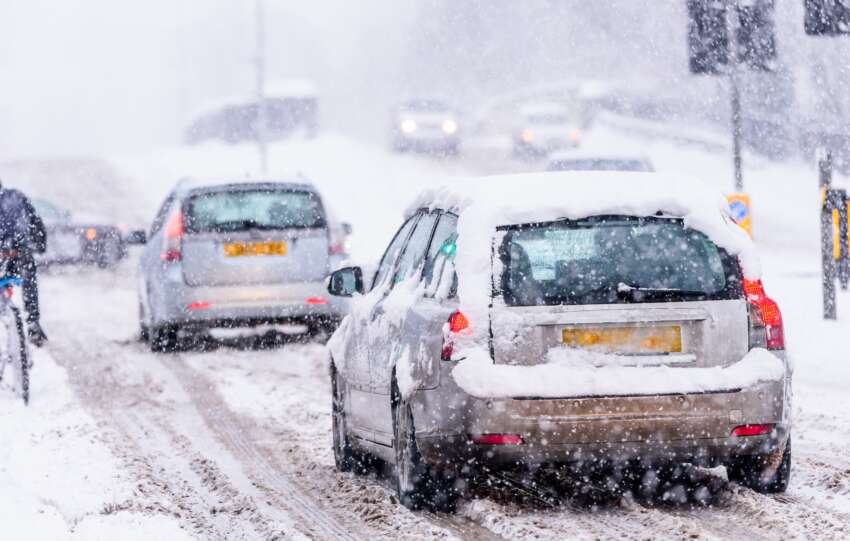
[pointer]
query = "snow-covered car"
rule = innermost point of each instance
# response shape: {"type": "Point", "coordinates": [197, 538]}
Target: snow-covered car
{"type": "Point", "coordinates": [76, 238]}
{"type": "Point", "coordinates": [544, 127]}
{"type": "Point", "coordinates": [592, 161]}
{"type": "Point", "coordinates": [515, 321]}
{"type": "Point", "coordinates": [425, 125]}
{"type": "Point", "coordinates": [230, 254]}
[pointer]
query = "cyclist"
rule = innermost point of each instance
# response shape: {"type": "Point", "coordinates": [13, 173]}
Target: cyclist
{"type": "Point", "coordinates": [22, 229]}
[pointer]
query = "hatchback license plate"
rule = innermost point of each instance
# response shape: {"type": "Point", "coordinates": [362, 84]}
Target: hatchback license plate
{"type": "Point", "coordinates": [238, 249]}
{"type": "Point", "coordinates": [661, 339]}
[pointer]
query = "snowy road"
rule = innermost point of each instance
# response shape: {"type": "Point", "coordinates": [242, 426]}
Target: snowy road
{"type": "Point", "coordinates": [235, 443]}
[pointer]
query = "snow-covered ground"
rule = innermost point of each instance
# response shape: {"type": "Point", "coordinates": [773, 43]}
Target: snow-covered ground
{"type": "Point", "coordinates": [235, 444]}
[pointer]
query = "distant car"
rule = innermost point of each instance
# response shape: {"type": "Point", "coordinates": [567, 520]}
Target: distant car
{"type": "Point", "coordinates": [580, 161]}
{"type": "Point", "coordinates": [78, 238]}
{"type": "Point", "coordinates": [587, 322]}
{"type": "Point", "coordinates": [544, 127]}
{"type": "Point", "coordinates": [233, 254]}
{"type": "Point", "coordinates": [425, 125]}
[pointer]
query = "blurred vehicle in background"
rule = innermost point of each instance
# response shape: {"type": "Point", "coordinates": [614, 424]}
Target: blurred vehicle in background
{"type": "Point", "coordinates": [291, 107]}
{"type": "Point", "coordinates": [242, 256]}
{"type": "Point", "coordinates": [543, 127]}
{"type": "Point", "coordinates": [78, 238]}
{"type": "Point", "coordinates": [587, 161]}
{"type": "Point", "coordinates": [425, 125]}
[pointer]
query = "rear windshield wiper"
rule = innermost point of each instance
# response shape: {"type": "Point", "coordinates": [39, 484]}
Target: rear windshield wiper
{"type": "Point", "coordinates": [629, 291]}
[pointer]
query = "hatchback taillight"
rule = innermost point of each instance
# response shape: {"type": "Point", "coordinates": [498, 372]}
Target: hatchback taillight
{"type": "Point", "coordinates": [457, 325]}
{"type": "Point", "coordinates": [172, 240]}
{"type": "Point", "coordinates": [766, 328]}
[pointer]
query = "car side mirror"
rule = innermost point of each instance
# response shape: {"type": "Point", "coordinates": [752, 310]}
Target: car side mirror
{"type": "Point", "coordinates": [136, 237]}
{"type": "Point", "coordinates": [346, 282]}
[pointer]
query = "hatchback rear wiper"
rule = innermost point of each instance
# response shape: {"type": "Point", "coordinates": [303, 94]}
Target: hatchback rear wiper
{"type": "Point", "coordinates": [629, 290]}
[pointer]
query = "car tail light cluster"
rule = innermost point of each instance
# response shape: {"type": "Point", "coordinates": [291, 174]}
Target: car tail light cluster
{"type": "Point", "coordinates": [765, 318]}
{"type": "Point", "coordinates": [172, 243]}
{"type": "Point", "coordinates": [457, 325]}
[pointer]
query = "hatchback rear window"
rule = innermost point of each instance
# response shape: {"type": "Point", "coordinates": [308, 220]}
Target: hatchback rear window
{"type": "Point", "coordinates": [241, 210]}
{"type": "Point", "coordinates": [611, 260]}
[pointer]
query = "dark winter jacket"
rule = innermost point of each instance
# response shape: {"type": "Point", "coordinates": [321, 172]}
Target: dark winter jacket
{"type": "Point", "coordinates": [20, 226]}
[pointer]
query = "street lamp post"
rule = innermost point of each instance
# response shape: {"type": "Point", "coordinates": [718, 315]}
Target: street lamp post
{"type": "Point", "coordinates": [260, 64]}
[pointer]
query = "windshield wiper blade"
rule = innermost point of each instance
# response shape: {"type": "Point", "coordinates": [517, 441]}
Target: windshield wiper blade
{"type": "Point", "coordinates": [626, 289]}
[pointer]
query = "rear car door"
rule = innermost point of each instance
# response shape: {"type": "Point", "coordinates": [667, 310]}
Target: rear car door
{"type": "Point", "coordinates": [254, 234]}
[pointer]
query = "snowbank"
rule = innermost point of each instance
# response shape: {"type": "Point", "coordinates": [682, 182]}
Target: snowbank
{"type": "Point", "coordinates": [488, 202]}
{"type": "Point", "coordinates": [58, 479]}
{"type": "Point", "coordinates": [578, 376]}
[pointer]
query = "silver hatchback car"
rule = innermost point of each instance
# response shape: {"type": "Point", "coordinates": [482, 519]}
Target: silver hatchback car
{"type": "Point", "coordinates": [236, 254]}
{"type": "Point", "coordinates": [626, 324]}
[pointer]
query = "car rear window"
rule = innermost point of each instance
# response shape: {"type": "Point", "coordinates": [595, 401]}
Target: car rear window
{"type": "Point", "coordinates": [241, 210]}
{"type": "Point", "coordinates": [612, 260]}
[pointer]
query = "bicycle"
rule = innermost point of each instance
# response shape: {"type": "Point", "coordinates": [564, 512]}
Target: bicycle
{"type": "Point", "coordinates": [14, 350]}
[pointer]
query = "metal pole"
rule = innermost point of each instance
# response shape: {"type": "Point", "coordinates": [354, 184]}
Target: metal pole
{"type": "Point", "coordinates": [732, 23]}
{"type": "Point", "coordinates": [841, 202]}
{"type": "Point", "coordinates": [261, 81]}
{"type": "Point", "coordinates": [827, 257]}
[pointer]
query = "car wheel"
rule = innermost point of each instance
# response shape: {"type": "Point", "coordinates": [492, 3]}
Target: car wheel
{"type": "Point", "coordinates": [109, 254]}
{"type": "Point", "coordinates": [417, 484]}
{"type": "Point", "coordinates": [163, 339]}
{"type": "Point", "coordinates": [346, 458]}
{"type": "Point", "coordinates": [767, 473]}
{"type": "Point", "coordinates": [144, 331]}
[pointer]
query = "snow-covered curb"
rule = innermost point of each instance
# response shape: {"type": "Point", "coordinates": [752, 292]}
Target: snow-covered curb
{"type": "Point", "coordinates": [479, 377]}
{"type": "Point", "coordinates": [58, 478]}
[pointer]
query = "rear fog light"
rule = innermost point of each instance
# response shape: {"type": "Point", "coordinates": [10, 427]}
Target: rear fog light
{"type": "Point", "coordinates": [198, 305]}
{"type": "Point", "coordinates": [497, 439]}
{"type": "Point", "coordinates": [316, 300]}
{"type": "Point", "coordinates": [752, 430]}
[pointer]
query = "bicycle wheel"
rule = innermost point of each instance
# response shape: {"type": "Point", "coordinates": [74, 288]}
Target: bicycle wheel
{"type": "Point", "coordinates": [23, 356]}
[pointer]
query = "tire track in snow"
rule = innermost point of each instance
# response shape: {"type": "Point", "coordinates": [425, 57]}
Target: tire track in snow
{"type": "Point", "coordinates": [232, 433]}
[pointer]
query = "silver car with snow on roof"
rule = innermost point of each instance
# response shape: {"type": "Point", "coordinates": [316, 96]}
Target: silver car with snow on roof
{"type": "Point", "coordinates": [236, 254]}
{"type": "Point", "coordinates": [625, 325]}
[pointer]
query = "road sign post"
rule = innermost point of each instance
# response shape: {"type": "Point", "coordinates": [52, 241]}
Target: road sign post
{"type": "Point", "coordinates": [826, 236]}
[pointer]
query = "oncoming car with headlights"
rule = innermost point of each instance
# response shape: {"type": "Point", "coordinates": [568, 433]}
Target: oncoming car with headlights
{"type": "Point", "coordinates": [517, 321]}
{"type": "Point", "coordinates": [235, 254]}
{"type": "Point", "coordinates": [425, 125]}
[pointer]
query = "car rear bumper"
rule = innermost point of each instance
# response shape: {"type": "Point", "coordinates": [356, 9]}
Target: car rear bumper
{"type": "Point", "coordinates": [694, 428]}
{"type": "Point", "coordinates": [234, 306]}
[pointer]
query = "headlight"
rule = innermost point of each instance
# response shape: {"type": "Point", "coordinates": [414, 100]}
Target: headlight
{"type": "Point", "coordinates": [575, 135]}
{"type": "Point", "coordinates": [527, 136]}
{"type": "Point", "coordinates": [408, 126]}
{"type": "Point", "coordinates": [449, 126]}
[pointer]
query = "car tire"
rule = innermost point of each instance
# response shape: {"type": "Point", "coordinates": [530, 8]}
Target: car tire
{"type": "Point", "coordinates": [144, 331]}
{"type": "Point", "coordinates": [163, 339]}
{"type": "Point", "coordinates": [767, 473]}
{"type": "Point", "coordinates": [346, 459]}
{"type": "Point", "coordinates": [417, 484]}
{"type": "Point", "coordinates": [110, 253]}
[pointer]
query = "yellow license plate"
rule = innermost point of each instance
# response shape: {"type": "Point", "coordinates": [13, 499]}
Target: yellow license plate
{"type": "Point", "coordinates": [239, 249]}
{"type": "Point", "coordinates": [663, 339]}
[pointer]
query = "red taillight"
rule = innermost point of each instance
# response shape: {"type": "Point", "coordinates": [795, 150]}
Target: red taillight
{"type": "Point", "coordinates": [316, 300]}
{"type": "Point", "coordinates": [172, 238]}
{"type": "Point", "coordinates": [764, 315]}
{"type": "Point", "coordinates": [337, 248]}
{"type": "Point", "coordinates": [198, 305]}
{"type": "Point", "coordinates": [752, 430]}
{"type": "Point", "coordinates": [497, 439]}
{"type": "Point", "coordinates": [458, 324]}
{"type": "Point", "coordinates": [8, 292]}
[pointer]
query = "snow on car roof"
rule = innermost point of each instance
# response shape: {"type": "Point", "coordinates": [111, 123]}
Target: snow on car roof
{"type": "Point", "coordinates": [587, 154]}
{"type": "Point", "coordinates": [187, 184]}
{"type": "Point", "coordinates": [486, 203]}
